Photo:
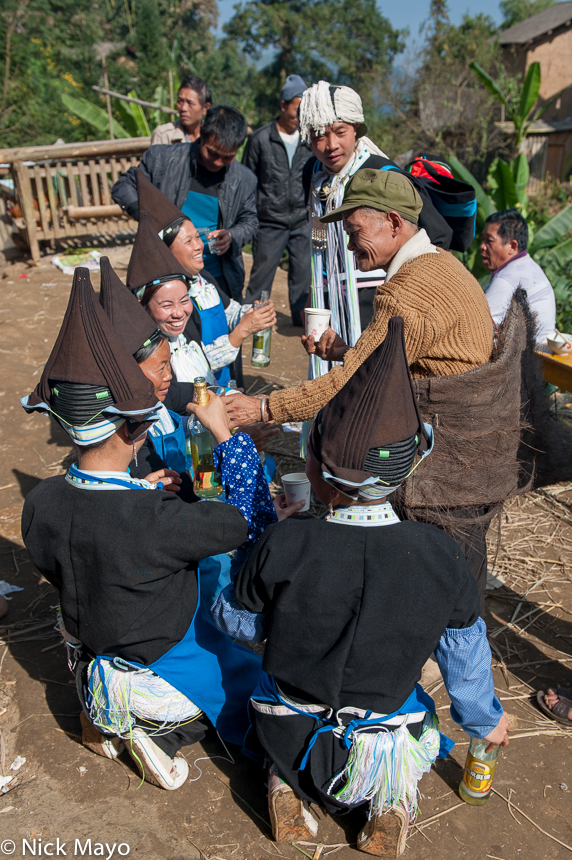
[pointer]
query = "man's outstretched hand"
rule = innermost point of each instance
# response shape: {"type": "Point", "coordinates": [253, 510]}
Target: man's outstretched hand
{"type": "Point", "coordinates": [242, 410]}
{"type": "Point", "coordinates": [330, 347]}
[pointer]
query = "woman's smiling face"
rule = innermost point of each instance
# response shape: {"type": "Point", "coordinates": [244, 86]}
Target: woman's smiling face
{"type": "Point", "coordinates": [188, 247]}
{"type": "Point", "coordinates": [170, 307]}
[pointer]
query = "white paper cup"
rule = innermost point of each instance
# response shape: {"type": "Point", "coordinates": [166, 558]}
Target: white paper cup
{"type": "Point", "coordinates": [317, 321]}
{"type": "Point", "coordinates": [297, 489]}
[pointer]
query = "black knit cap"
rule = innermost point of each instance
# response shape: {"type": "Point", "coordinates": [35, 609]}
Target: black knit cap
{"type": "Point", "coordinates": [164, 214]}
{"type": "Point", "coordinates": [372, 427]}
{"type": "Point", "coordinates": [89, 358]}
{"type": "Point", "coordinates": [132, 323]}
{"type": "Point", "coordinates": [151, 261]}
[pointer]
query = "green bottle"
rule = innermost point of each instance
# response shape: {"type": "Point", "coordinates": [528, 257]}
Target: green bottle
{"type": "Point", "coordinates": [207, 482]}
{"type": "Point", "coordinates": [262, 339]}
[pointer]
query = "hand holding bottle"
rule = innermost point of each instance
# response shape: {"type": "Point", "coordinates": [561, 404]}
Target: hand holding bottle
{"type": "Point", "coordinates": [498, 736]}
{"type": "Point", "coordinates": [254, 320]}
{"type": "Point", "coordinates": [213, 416]}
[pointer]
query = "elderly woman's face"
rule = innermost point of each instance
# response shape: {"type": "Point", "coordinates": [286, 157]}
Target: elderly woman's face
{"type": "Point", "coordinates": [157, 368]}
{"type": "Point", "coordinates": [170, 307]}
{"type": "Point", "coordinates": [373, 238]}
{"type": "Point", "coordinates": [187, 247]}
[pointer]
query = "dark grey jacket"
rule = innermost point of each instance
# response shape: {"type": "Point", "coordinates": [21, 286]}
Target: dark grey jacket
{"type": "Point", "coordinates": [170, 168]}
{"type": "Point", "coordinates": [280, 198]}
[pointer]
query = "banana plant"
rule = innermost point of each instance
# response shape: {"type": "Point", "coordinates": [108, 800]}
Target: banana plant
{"type": "Point", "coordinates": [93, 115]}
{"type": "Point", "coordinates": [132, 116]}
{"type": "Point", "coordinates": [523, 116]}
{"type": "Point", "coordinates": [133, 120]}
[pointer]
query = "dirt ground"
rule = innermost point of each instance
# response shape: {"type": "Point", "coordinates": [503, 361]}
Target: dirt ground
{"type": "Point", "coordinates": [64, 792]}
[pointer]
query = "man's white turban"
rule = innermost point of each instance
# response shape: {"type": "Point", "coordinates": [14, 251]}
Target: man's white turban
{"type": "Point", "coordinates": [323, 105]}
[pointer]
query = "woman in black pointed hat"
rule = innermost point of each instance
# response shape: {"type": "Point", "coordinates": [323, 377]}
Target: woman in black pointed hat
{"type": "Point", "coordinates": [219, 324]}
{"type": "Point", "coordinates": [351, 608]}
{"type": "Point", "coordinates": [166, 442]}
{"type": "Point", "coordinates": [151, 669]}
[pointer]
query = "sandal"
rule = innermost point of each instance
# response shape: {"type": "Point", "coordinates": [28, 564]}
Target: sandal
{"type": "Point", "coordinates": [561, 709]}
{"type": "Point", "coordinates": [385, 835]}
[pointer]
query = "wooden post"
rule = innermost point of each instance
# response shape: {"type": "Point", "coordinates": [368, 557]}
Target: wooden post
{"type": "Point", "coordinates": [107, 100]}
{"type": "Point", "coordinates": [24, 187]}
{"type": "Point", "coordinates": [171, 94]}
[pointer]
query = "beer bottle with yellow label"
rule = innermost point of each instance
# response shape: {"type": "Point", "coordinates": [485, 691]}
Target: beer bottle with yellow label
{"type": "Point", "coordinates": [475, 787]}
{"type": "Point", "coordinates": [207, 482]}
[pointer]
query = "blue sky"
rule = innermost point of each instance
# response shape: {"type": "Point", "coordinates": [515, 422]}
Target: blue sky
{"type": "Point", "coordinates": [410, 13]}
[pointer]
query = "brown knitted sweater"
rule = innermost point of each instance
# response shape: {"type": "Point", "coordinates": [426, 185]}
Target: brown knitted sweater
{"type": "Point", "coordinates": [448, 329]}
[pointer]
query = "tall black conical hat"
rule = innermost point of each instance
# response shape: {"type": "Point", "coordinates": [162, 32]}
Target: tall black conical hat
{"type": "Point", "coordinates": [372, 414]}
{"type": "Point", "coordinates": [162, 211]}
{"type": "Point", "coordinates": [131, 322]}
{"type": "Point", "coordinates": [151, 261]}
{"type": "Point", "coordinates": [89, 351]}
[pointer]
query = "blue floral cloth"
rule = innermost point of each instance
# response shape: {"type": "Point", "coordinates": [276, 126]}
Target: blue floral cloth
{"type": "Point", "coordinates": [245, 484]}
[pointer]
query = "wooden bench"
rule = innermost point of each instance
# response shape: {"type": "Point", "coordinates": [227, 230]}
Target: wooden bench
{"type": "Point", "coordinates": [557, 369]}
{"type": "Point", "coordinates": [65, 190]}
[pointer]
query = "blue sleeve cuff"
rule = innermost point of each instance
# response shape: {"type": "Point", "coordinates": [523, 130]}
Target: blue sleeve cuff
{"type": "Point", "coordinates": [464, 658]}
{"type": "Point", "coordinates": [245, 484]}
{"type": "Point", "coordinates": [237, 622]}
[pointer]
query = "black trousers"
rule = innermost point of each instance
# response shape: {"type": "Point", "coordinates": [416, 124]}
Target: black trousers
{"type": "Point", "coordinates": [267, 248]}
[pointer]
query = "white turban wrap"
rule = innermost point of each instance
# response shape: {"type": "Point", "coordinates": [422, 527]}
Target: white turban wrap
{"type": "Point", "coordinates": [323, 105]}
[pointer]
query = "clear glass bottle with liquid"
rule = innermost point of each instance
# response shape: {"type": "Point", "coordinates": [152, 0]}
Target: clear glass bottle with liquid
{"type": "Point", "coordinates": [207, 482]}
{"type": "Point", "coordinates": [475, 787]}
{"type": "Point", "coordinates": [262, 339]}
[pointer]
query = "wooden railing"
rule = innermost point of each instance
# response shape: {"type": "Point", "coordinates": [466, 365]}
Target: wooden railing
{"type": "Point", "coordinates": [65, 190]}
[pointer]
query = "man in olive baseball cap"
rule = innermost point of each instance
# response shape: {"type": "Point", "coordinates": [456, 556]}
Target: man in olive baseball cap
{"type": "Point", "coordinates": [385, 190]}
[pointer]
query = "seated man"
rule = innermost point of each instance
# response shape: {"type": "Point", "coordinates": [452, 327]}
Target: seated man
{"type": "Point", "coordinates": [447, 324]}
{"type": "Point", "coordinates": [503, 249]}
{"type": "Point", "coordinates": [151, 668]}
{"type": "Point", "coordinates": [352, 607]}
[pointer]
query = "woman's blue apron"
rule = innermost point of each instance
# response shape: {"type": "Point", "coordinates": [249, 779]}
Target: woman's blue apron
{"type": "Point", "coordinates": [214, 672]}
{"type": "Point", "coordinates": [172, 447]}
{"type": "Point", "coordinates": [213, 325]}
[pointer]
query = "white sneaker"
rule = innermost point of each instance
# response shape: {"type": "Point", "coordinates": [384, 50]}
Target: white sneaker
{"type": "Point", "coordinates": [153, 764]}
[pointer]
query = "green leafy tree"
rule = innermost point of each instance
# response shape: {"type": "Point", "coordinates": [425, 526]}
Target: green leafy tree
{"type": "Point", "coordinates": [451, 109]}
{"type": "Point", "coordinates": [515, 11]}
{"type": "Point", "coordinates": [46, 49]}
{"type": "Point", "coordinates": [153, 63]}
{"type": "Point", "coordinates": [345, 41]}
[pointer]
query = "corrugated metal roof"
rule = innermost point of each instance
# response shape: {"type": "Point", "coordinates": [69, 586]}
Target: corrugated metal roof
{"type": "Point", "coordinates": [553, 17]}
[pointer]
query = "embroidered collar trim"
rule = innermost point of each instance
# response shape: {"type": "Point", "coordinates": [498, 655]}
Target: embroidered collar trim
{"type": "Point", "coordinates": [365, 515]}
{"type": "Point", "coordinates": [89, 480]}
